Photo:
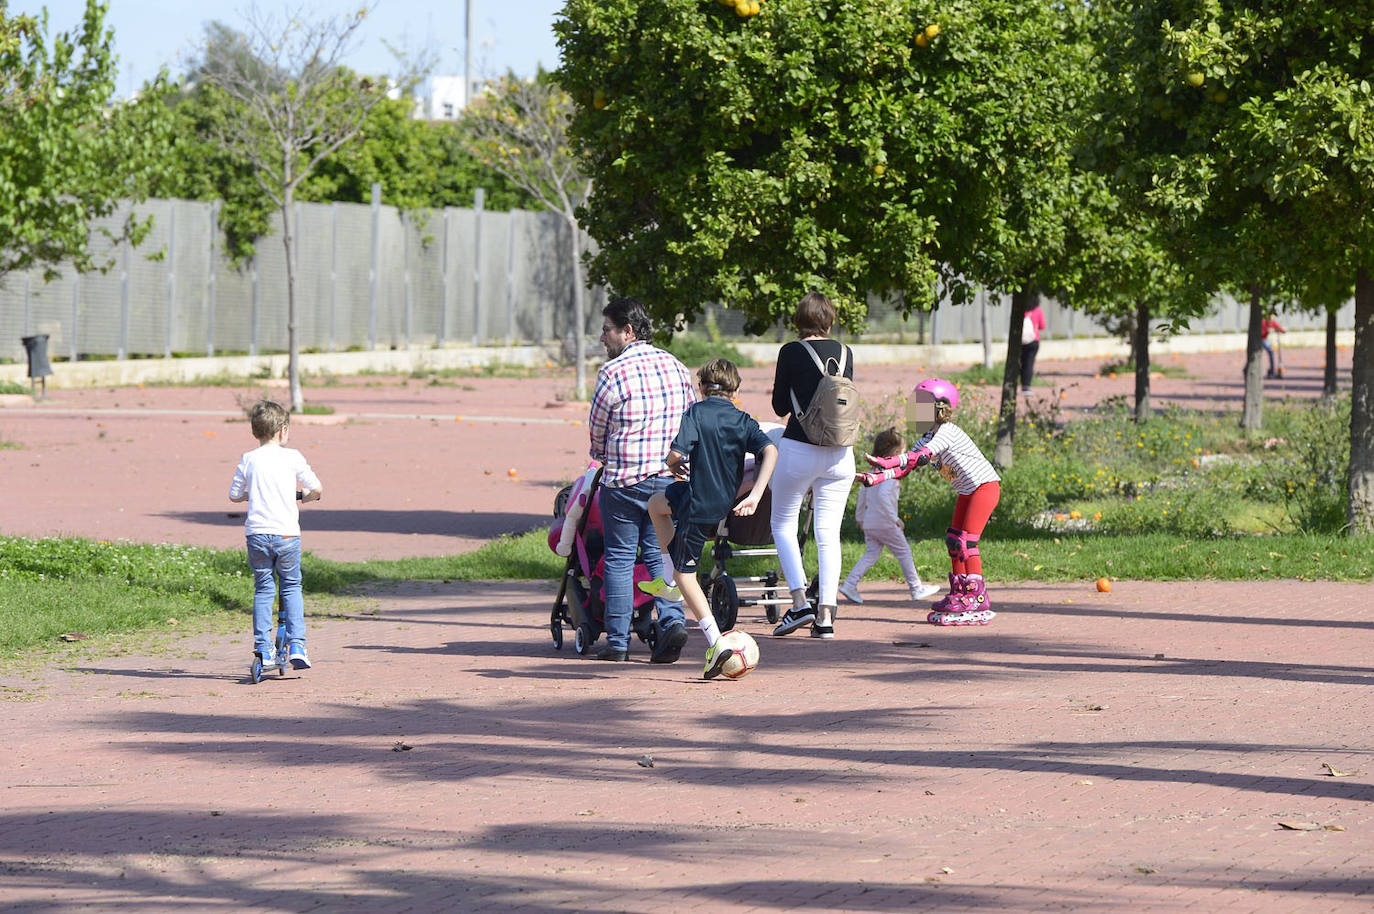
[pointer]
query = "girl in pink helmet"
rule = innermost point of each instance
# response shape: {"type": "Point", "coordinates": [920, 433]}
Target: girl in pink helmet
{"type": "Point", "coordinates": [942, 444]}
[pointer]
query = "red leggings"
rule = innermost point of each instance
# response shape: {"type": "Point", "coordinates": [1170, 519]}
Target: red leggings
{"type": "Point", "coordinates": [971, 513]}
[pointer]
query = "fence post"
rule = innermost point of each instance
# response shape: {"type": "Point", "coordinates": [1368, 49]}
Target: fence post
{"type": "Point", "coordinates": [405, 271]}
{"type": "Point", "coordinates": [27, 281]}
{"type": "Point", "coordinates": [510, 278]}
{"type": "Point", "coordinates": [210, 280]}
{"type": "Point", "coordinates": [372, 273]}
{"type": "Point", "coordinates": [253, 326]}
{"type": "Point", "coordinates": [76, 310]}
{"type": "Point", "coordinates": [333, 276]}
{"type": "Point", "coordinates": [479, 201]}
{"type": "Point", "coordinates": [443, 282]}
{"type": "Point", "coordinates": [122, 351]}
{"type": "Point", "coordinates": [171, 276]}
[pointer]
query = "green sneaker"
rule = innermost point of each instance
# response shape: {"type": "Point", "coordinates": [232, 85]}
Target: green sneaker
{"type": "Point", "coordinates": [660, 588]}
{"type": "Point", "coordinates": [716, 658]}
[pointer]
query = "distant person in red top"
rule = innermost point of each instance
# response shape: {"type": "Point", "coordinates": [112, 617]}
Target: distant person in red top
{"type": "Point", "coordinates": [1269, 323]}
{"type": "Point", "coordinates": [1032, 325]}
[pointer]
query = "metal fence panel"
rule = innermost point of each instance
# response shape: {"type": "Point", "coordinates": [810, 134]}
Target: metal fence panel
{"type": "Point", "coordinates": [378, 277]}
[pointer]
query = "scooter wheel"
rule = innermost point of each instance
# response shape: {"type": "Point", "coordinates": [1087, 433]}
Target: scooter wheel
{"type": "Point", "coordinates": [255, 671]}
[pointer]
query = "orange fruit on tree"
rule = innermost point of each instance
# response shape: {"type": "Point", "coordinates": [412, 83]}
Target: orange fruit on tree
{"type": "Point", "coordinates": [1195, 79]}
{"type": "Point", "coordinates": [921, 39]}
{"type": "Point", "coordinates": [931, 31]}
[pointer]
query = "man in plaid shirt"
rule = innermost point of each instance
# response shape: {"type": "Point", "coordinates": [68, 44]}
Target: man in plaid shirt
{"type": "Point", "coordinates": [640, 396]}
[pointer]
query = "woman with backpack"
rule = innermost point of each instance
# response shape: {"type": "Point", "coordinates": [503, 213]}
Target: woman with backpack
{"type": "Point", "coordinates": [813, 386]}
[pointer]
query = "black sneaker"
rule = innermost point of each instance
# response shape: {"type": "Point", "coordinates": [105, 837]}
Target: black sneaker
{"type": "Point", "coordinates": [670, 643]}
{"type": "Point", "coordinates": [612, 654]}
{"type": "Point", "coordinates": [822, 631]}
{"type": "Point", "coordinates": [794, 619]}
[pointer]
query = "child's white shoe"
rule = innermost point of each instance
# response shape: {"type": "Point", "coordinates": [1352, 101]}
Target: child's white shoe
{"type": "Point", "coordinates": [924, 591]}
{"type": "Point", "coordinates": [850, 592]}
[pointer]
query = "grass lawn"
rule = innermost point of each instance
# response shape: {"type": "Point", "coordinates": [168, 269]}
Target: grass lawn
{"type": "Point", "coordinates": [1184, 497]}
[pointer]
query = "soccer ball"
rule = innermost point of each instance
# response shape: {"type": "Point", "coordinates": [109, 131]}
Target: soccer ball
{"type": "Point", "coordinates": [745, 658]}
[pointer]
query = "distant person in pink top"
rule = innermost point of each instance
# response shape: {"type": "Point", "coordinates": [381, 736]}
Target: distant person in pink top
{"type": "Point", "coordinates": [1270, 323]}
{"type": "Point", "coordinates": [1032, 325]}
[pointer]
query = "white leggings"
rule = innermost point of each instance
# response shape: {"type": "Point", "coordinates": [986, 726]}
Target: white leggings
{"type": "Point", "coordinates": [894, 539]}
{"type": "Point", "coordinates": [827, 473]}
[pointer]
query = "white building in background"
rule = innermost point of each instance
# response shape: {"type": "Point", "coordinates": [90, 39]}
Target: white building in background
{"type": "Point", "coordinates": [447, 98]}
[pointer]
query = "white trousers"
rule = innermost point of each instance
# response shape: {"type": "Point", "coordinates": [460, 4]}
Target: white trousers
{"type": "Point", "coordinates": [876, 538]}
{"type": "Point", "coordinates": [827, 473]}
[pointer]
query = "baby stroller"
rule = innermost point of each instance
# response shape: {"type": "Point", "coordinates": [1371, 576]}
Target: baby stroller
{"type": "Point", "coordinates": [750, 536]}
{"type": "Point", "coordinates": [580, 603]}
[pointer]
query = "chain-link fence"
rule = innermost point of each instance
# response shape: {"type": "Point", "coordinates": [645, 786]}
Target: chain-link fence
{"type": "Point", "coordinates": [373, 276]}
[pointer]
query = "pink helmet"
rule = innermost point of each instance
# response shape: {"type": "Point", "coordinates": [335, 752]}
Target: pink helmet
{"type": "Point", "coordinates": [940, 389]}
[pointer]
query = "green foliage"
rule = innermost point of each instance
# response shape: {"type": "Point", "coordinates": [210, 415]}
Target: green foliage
{"type": "Point", "coordinates": [421, 165]}
{"type": "Point", "coordinates": [745, 160]}
{"type": "Point", "coordinates": [695, 351]}
{"type": "Point", "coordinates": [67, 157]}
{"type": "Point", "coordinates": [1314, 461]}
{"type": "Point", "coordinates": [13, 387]}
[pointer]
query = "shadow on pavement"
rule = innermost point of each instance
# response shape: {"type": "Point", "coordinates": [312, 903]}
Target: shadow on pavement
{"type": "Point", "coordinates": [440, 523]}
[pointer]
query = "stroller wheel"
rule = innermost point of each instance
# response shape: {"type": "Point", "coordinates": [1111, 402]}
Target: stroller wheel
{"type": "Point", "coordinates": [556, 629]}
{"type": "Point", "coordinates": [725, 602]}
{"type": "Point", "coordinates": [583, 639]}
{"type": "Point", "coordinates": [772, 613]}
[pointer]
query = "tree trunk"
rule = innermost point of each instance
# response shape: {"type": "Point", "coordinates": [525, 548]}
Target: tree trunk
{"type": "Point", "coordinates": [579, 312]}
{"type": "Point", "coordinates": [986, 329]}
{"type": "Point", "coordinates": [1142, 362]}
{"type": "Point", "coordinates": [293, 362]}
{"type": "Point", "coordinates": [1252, 416]}
{"type": "Point", "coordinates": [1021, 301]}
{"type": "Point", "coordinates": [1360, 512]}
{"type": "Point", "coordinates": [1329, 375]}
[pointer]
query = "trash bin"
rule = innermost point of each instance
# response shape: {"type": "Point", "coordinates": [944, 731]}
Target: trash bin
{"type": "Point", "coordinates": [39, 368]}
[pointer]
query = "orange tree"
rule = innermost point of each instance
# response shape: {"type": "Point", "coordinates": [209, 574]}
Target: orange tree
{"type": "Point", "coordinates": [1259, 142]}
{"type": "Point", "coordinates": [745, 156]}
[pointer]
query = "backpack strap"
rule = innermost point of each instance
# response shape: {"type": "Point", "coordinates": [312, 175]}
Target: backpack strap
{"type": "Point", "coordinates": [820, 366]}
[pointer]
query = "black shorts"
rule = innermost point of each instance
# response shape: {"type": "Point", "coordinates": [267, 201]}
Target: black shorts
{"type": "Point", "coordinates": [688, 539]}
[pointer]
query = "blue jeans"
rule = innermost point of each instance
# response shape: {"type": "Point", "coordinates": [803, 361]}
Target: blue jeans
{"type": "Point", "coordinates": [276, 559]}
{"type": "Point", "coordinates": [628, 531]}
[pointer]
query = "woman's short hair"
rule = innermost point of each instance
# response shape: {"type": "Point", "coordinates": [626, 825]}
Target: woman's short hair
{"type": "Point", "coordinates": [887, 443]}
{"type": "Point", "coordinates": [717, 377]}
{"type": "Point", "coordinates": [267, 418]}
{"type": "Point", "coordinates": [630, 312]}
{"type": "Point", "coordinates": [815, 315]}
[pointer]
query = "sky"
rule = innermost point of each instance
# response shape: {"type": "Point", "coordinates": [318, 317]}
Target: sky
{"type": "Point", "coordinates": [507, 34]}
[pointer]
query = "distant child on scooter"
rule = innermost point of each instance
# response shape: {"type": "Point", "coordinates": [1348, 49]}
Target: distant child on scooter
{"type": "Point", "coordinates": [268, 478]}
{"type": "Point", "coordinates": [949, 449]}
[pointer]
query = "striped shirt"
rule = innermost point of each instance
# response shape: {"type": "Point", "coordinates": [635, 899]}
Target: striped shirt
{"type": "Point", "coordinates": [957, 458]}
{"type": "Point", "coordinates": [637, 406]}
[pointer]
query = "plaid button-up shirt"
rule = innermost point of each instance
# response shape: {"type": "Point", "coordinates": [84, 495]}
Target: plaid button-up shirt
{"type": "Point", "coordinates": [637, 406]}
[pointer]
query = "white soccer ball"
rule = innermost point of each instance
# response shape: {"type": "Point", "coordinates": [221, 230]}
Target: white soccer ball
{"type": "Point", "coordinates": [745, 658]}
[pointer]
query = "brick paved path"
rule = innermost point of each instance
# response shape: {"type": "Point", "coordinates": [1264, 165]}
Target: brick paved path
{"type": "Point", "coordinates": [1129, 751]}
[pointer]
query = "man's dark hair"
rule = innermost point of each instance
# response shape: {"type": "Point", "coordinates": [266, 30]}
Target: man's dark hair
{"type": "Point", "coordinates": [630, 312]}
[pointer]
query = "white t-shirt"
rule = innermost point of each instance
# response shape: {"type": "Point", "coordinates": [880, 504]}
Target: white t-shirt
{"type": "Point", "coordinates": [957, 458]}
{"type": "Point", "coordinates": [876, 508]}
{"type": "Point", "coordinates": [270, 475]}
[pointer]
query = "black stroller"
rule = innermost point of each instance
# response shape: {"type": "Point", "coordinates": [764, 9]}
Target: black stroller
{"type": "Point", "coordinates": [580, 603]}
{"type": "Point", "coordinates": [750, 536]}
